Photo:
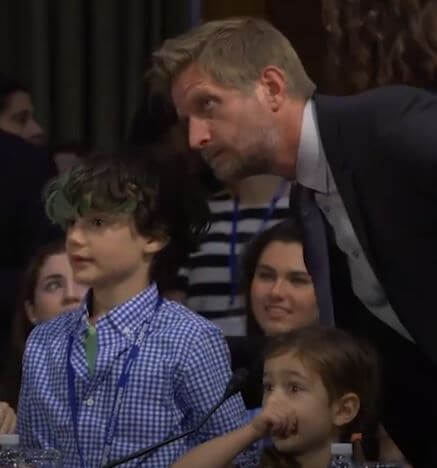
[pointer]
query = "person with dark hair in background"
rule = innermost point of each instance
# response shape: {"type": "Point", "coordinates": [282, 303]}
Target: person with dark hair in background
{"type": "Point", "coordinates": [67, 155]}
{"type": "Point", "coordinates": [156, 123]}
{"type": "Point", "coordinates": [47, 289]}
{"type": "Point", "coordinates": [17, 113]}
{"type": "Point", "coordinates": [25, 169]}
{"type": "Point", "coordinates": [365, 168]}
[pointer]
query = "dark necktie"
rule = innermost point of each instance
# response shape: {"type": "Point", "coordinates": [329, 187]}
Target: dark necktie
{"type": "Point", "coordinates": [315, 246]}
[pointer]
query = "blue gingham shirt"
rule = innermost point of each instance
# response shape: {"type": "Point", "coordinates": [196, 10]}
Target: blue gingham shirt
{"type": "Point", "coordinates": [181, 371]}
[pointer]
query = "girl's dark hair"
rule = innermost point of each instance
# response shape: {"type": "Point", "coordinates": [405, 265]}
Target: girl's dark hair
{"type": "Point", "coordinates": [22, 326]}
{"type": "Point", "coordinates": [155, 189]}
{"type": "Point", "coordinates": [345, 364]}
{"type": "Point", "coordinates": [287, 231]}
{"type": "Point", "coordinates": [381, 42]}
{"type": "Point", "coordinates": [9, 86]}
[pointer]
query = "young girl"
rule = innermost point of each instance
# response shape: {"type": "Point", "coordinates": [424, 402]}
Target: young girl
{"type": "Point", "coordinates": [320, 386]}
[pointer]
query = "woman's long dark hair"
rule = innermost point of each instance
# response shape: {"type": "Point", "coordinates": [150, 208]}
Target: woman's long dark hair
{"type": "Point", "coordinates": [22, 326]}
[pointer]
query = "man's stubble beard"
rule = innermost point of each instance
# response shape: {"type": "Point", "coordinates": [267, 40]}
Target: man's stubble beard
{"type": "Point", "coordinates": [258, 160]}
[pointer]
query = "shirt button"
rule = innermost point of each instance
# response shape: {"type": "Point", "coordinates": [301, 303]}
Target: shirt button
{"type": "Point", "coordinates": [355, 253]}
{"type": "Point", "coordinates": [89, 401]}
{"type": "Point", "coordinates": [326, 209]}
{"type": "Point", "coordinates": [126, 331]}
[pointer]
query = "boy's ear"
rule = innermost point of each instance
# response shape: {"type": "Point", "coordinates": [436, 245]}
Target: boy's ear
{"type": "Point", "coordinates": [29, 308]}
{"type": "Point", "coordinates": [154, 244]}
{"type": "Point", "coordinates": [345, 409]}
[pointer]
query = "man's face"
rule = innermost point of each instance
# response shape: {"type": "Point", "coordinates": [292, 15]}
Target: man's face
{"type": "Point", "coordinates": [17, 118]}
{"type": "Point", "coordinates": [233, 129]}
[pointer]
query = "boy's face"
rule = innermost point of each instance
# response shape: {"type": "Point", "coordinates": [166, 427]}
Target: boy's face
{"type": "Point", "coordinates": [106, 250]}
{"type": "Point", "coordinates": [305, 398]}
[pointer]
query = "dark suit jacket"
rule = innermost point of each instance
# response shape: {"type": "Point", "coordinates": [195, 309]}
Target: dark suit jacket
{"type": "Point", "coordinates": [382, 149]}
{"type": "Point", "coordinates": [23, 226]}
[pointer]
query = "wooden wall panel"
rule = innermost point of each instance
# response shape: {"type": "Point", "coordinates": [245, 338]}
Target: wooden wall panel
{"type": "Point", "coordinates": [300, 21]}
{"type": "Point", "coordinates": [216, 9]}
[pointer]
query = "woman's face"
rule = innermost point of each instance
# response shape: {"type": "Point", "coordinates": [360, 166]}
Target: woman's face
{"type": "Point", "coordinates": [282, 293]}
{"type": "Point", "coordinates": [55, 290]}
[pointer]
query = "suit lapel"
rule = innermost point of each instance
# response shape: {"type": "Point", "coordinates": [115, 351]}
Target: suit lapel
{"type": "Point", "coordinates": [333, 144]}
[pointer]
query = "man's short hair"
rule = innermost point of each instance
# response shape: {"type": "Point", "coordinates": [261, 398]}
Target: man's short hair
{"type": "Point", "coordinates": [233, 52]}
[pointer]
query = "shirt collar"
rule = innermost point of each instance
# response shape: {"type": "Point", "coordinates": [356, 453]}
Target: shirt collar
{"type": "Point", "coordinates": [311, 168]}
{"type": "Point", "coordinates": [125, 318]}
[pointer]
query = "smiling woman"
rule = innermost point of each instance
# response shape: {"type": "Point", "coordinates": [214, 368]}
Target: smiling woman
{"type": "Point", "coordinates": [279, 292]}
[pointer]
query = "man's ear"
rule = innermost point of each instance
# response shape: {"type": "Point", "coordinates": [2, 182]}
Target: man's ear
{"type": "Point", "coordinates": [274, 84]}
{"type": "Point", "coordinates": [29, 309]}
{"type": "Point", "coordinates": [345, 409]}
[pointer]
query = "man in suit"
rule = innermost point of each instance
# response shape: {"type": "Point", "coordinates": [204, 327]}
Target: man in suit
{"type": "Point", "coordinates": [25, 169]}
{"type": "Point", "coordinates": [366, 189]}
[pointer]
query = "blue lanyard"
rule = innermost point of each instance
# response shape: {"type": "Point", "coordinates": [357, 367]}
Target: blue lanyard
{"type": "Point", "coordinates": [119, 394]}
{"type": "Point", "coordinates": [233, 257]}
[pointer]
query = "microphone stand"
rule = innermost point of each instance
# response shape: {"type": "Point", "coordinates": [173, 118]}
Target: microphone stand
{"type": "Point", "coordinates": [234, 386]}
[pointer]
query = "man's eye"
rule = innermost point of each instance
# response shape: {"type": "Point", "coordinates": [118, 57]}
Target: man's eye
{"type": "Point", "coordinates": [293, 388]}
{"type": "Point", "coordinates": [209, 104]}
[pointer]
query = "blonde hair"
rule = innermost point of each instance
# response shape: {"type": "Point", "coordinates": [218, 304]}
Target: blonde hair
{"type": "Point", "coordinates": [233, 52]}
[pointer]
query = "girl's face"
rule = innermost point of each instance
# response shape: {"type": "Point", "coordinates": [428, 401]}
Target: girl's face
{"type": "Point", "coordinates": [305, 399]}
{"type": "Point", "coordinates": [282, 293]}
{"type": "Point", "coordinates": [55, 290]}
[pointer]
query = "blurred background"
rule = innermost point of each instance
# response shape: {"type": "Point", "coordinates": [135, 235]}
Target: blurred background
{"type": "Point", "coordinates": [84, 60]}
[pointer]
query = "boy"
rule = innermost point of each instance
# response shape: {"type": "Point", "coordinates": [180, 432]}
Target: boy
{"type": "Point", "coordinates": [127, 368]}
{"type": "Point", "coordinates": [320, 386]}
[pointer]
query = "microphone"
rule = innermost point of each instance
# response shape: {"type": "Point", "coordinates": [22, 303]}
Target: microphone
{"type": "Point", "coordinates": [235, 384]}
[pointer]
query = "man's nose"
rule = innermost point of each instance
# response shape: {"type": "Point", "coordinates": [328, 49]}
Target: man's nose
{"type": "Point", "coordinates": [198, 133]}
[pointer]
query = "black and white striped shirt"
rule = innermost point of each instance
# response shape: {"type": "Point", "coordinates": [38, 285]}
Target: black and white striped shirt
{"type": "Point", "coordinates": [206, 279]}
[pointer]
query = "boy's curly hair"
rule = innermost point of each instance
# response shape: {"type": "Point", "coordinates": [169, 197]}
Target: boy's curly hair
{"type": "Point", "coordinates": [154, 188]}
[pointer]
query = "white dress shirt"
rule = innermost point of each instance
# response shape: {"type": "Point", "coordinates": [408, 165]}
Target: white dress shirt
{"type": "Point", "coordinates": [314, 172]}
